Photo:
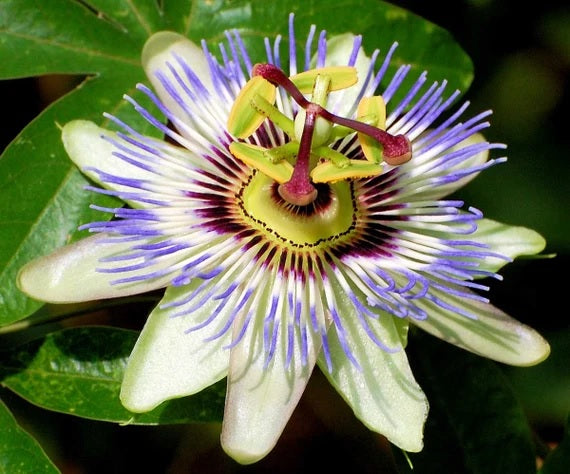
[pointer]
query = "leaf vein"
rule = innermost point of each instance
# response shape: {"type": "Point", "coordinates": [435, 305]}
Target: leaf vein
{"type": "Point", "coordinates": [139, 17]}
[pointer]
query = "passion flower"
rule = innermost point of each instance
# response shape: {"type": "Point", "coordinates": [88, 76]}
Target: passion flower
{"type": "Point", "coordinates": [295, 218]}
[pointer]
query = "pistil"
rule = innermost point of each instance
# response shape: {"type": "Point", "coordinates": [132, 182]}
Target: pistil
{"type": "Point", "coordinates": [299, 190]}
{"type": "Point", "coordinates": [277, 77]}
{"type": "Point", "coordinates": [396, 148]}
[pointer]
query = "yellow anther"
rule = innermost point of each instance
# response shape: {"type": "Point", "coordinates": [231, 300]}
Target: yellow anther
{"type": "Point", "coordinates": [375, 107]}
{"type": "Point", "coordinates": [327, 172]}
{"type": "Point", "coordinates": [341, 77]}
{"type": "Point", "coordinates": [244, 118]}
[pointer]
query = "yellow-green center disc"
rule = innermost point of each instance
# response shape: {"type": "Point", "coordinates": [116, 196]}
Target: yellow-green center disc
{"type": "Point", "coordinates": [284, 222]}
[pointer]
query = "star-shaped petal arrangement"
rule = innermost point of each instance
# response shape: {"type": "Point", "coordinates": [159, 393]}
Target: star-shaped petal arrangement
{"type": "Point", "coordinates": [296, 218]}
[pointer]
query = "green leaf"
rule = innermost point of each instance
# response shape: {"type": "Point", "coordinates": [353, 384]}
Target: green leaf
{"type": "Point", "coordinates": [475, 424]}
{"type": "Point", "coordinates": [43, 200]}
{"type": "Point", "coordinates": [558, 460]}
{"type": "Point", "coordinates": [19, 452]}
{"type": "Point", "coordinates": [62, 36]}
{"type": "Point", "coordinates": [80, 371]}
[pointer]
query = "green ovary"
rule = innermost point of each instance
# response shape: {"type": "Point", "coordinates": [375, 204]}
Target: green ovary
{"type": "Point", "coordinates": [325, 223]}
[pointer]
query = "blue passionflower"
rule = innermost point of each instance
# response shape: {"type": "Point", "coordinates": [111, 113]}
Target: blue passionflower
{"type": "Point", "coordinates": [296, 214]}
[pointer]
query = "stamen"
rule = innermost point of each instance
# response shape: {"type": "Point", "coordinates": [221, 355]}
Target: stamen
{"type": "Point", "coordinates": [396, 148]}
{"type": "Point", "coordinates": [312, 131]}
{"type": "Point", "coordinates": [245, 119]}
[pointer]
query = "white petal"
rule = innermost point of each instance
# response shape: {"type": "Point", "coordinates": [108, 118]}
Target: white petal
{"type": "Point", "coordinates": [493, 334]}
{"type": "Point", "coordinates": [160, 51]}
{"type": "Point", "coordinates": [85, 144]}
{"type": "Point", "coordinates": [339, 49]}
{"type": "Point", "coordinates": [260, 400]}
{"type": "Point", "coordinates": [168, 362]}
{"type": "Point", "coordinates": [439, 191]}
{"type": "Point", "coordinates": [506, 240]}
{"type": "Point", "coordinates": [383, 393]}
{"type": "Point", "coordinates": [69, 274]}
